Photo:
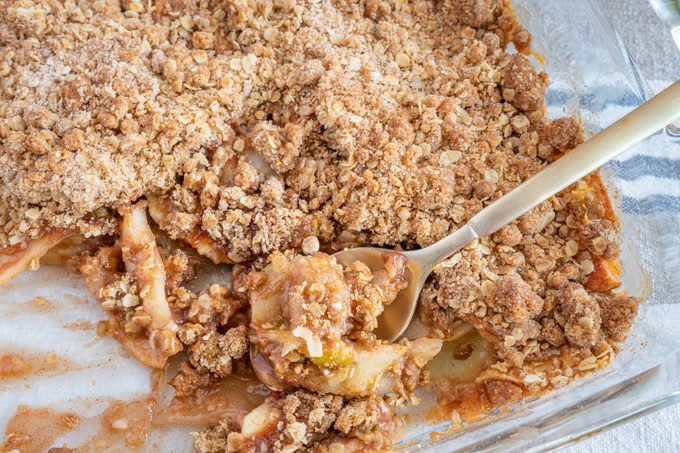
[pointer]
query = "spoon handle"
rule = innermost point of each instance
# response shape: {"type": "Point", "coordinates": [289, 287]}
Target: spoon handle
{"type": "Point", "coordinates": [637, 125]}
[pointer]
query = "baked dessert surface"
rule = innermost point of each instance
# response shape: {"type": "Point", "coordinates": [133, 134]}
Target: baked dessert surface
{"type": "Point", "coordinates": [142, 142]}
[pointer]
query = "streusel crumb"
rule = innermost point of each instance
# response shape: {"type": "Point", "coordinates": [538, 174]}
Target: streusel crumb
{"type": "Point", "coordinates": [180, 132]}
{"type": "Point", "coordinates": [308, 421]}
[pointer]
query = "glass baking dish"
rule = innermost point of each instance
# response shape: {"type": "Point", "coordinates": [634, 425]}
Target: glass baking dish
{"type": "Point", "coordinates": [592, 76]}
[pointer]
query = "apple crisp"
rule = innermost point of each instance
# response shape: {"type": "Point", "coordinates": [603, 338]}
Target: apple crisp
{"type": "Point", "coordinates": [143, 143]}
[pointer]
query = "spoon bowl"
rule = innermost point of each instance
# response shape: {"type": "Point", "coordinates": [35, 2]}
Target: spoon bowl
{"type": "Point", "coordinates": [397, 316]}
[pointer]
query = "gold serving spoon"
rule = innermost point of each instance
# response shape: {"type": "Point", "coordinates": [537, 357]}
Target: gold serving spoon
{"type": "Point", "coordinates": [639, 124]}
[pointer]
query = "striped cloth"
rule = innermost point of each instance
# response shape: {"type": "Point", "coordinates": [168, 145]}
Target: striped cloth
{"type": "Point", "coordinates": [649, 174]}
{"type": "Point", "coordinates": [648, 180]}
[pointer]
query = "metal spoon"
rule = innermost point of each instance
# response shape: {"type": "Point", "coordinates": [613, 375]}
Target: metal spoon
{"type": "Point", "coordinates": [585, 158]}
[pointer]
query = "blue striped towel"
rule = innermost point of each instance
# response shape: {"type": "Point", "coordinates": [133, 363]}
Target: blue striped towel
{"type": "Point", "coordinates": [649, 174]}
{"type": "Point", "coordinates": [648, 191]}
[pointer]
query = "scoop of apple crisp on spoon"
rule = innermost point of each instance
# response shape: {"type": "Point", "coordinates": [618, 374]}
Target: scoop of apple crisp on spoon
{"type": "Point", "coordinates": [585, 158]}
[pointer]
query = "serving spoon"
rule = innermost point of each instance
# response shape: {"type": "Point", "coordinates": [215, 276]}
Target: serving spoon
{"type": "Point", "coordinates": [637, 125]}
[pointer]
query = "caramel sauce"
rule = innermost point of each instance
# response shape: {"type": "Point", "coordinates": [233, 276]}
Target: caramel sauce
{"type": "Point", "coordinates": [13, 365]}
{"type": "Point", "coordinates": [129, 423]}
{"type": "Point", "coordinates": [41, 305]}
{"type": "Point", "coordinates": [80, 325]}
{"type": "Point", "coordinates": [35, 429]}
{"type": "Point", "coordinates": [20, 364]}
{"type": "Point", "coordinates": [137, 345]}
{"type": "Point", "coordinates": [453, 373]}
{"type": "Point", "coordinates": [123, 423]}
{"type": "Point", "coordinates": [473, 398]}
{"type": "Point", "coordinates": [36, 305]}
{"type": "Point", "coordinates": [126, 422]}
{"type": "Point", "coordinates": [231, 401]}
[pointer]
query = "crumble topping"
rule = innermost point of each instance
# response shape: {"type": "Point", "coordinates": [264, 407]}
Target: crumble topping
{"type": "Point", "coordinates": [247, 131]}
{"type": "Point", "coordinates": [261, 121]}
{"type": "Point", "coordinates": [215, 352]}
{"type": "Point", "coordinates": [308, 421]}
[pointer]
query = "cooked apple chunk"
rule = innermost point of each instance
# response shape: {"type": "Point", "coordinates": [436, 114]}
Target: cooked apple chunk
{"type": "Point", "coordinates": [312, 320]}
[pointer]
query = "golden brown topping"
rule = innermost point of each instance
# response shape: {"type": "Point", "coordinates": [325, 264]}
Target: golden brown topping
{"type": "Point", "coordinates": [564, 133]}
{"type": "Point", "coordinates": [215, 353]}
{"type": "Point", "coordinates": [475, 13]}
{"type": "Point", "coordinates": [514, 299]}
{"type": "Point", "coordinates": [508, 235]}
{"type": "Point", "coordinates": [579, 315]}
{"type": "Point", "coordinates": [189, 382]}
{"type": "Point", "coordinates": [302, 420]}
{"type": "Point", "coordinates": [522, 86]}
{"type": "Point", "coordinates": [618, 315]}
